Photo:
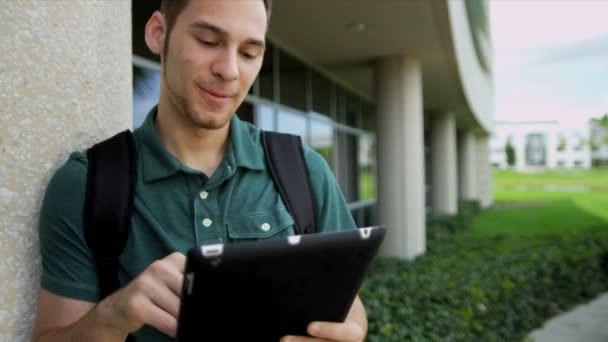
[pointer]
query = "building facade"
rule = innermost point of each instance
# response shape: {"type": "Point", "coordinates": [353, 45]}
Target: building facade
{"type": "Point", "coordinates": [541, 145]}
{"type": "Point", "coordinates": [396, 95]}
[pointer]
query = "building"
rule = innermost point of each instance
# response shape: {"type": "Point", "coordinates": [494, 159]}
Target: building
{"type": "Point", "coordinates": [397, 95]}
{"type": "Point", "coordinates": [541, 145]}
{"type": "Point", "coordinates": [599, 141]}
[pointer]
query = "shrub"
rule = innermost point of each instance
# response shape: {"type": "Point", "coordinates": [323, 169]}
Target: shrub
{"type": "Point", "coordinates": [496, 289]}
{"type": "Point", "coordinates": [441, 226]}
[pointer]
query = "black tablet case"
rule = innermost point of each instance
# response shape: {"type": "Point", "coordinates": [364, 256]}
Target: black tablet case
{"type": "Point", "coordinates": [263, 290]}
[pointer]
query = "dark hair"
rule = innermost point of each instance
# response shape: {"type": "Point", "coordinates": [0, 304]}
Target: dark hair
{"type": "Point", "coordinates": [172, 8]}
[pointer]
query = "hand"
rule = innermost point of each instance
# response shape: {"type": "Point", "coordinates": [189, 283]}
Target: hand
{"type": "Point", "coordinates": [153, 298]}
{"type": "Point", "coordinates": [348, 331]}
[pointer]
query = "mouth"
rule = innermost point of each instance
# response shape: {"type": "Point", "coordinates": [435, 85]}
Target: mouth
{"type": "Point", "coordinates": [214, 97]}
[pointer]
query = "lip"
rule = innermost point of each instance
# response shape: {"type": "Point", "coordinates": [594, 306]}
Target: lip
{"type": "Point", "coordinates": [214, 97]}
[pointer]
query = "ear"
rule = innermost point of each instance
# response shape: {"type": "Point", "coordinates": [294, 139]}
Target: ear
{"type": "Point", "coordinates": [156, 28]}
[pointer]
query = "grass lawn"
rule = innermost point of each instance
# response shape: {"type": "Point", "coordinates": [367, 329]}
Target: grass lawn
{"type": "Point", "coordinates": [562, 202]}
{"type": "Point", "coordinates": [541, 249]}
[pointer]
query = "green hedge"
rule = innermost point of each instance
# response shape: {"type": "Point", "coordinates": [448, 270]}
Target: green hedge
{"type": "Point", "coordinates": [498, 289]}
{"type": "Point", "coordinates": [439, 227]}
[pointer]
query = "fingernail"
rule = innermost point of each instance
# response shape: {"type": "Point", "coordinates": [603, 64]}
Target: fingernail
{"type": "Point", "coordinates": [314, 329]}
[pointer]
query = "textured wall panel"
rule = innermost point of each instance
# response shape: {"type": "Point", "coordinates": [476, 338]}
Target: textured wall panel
{"type": "Point", "coordinates": [65, 82]}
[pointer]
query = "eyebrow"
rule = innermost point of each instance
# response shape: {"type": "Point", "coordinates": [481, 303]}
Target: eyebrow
{"type": "Point", "coordinates": [203, 25]}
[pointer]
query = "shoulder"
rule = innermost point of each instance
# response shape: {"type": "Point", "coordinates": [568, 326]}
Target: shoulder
{"type": "Point", "coordinates": [67, 184]}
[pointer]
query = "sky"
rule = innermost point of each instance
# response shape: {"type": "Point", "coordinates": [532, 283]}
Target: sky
{"type": "Point", "coordinates": [550, 59]}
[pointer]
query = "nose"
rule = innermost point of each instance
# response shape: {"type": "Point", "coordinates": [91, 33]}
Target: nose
{"type": "Point", "coordinates": [225, 66]}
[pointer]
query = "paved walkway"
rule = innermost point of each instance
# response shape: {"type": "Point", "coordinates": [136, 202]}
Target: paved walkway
{"type": "Point", "coordinates": [585, 323]}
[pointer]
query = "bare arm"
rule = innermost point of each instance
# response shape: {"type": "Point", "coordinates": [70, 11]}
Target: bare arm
{"type": "Point", "coordinates": [152, 298]}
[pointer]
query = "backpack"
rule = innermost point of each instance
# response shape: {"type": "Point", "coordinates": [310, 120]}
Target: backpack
{"type": "Point", "coordinates": [111, 187]}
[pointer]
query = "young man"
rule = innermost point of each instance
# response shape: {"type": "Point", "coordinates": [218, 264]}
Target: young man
{"type": "Point", "coordinates": [201, 180]}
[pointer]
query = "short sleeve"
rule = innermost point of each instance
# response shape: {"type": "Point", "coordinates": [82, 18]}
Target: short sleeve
{"type": "Point", "coordinates": [330, 206]}
{"type": "Point", "coordinates": [68, 269]}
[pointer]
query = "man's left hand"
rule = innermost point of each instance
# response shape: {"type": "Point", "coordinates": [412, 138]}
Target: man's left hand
{"type": "Point", "coordinates": [348, 331]}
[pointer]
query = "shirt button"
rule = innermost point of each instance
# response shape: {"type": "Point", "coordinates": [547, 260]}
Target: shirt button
{"type": "Point", "coordinates": [204, 194]}
{"type": "Point", "coordinates": [207, 222]}
{"type": "Point", "coordinates": [265, 227]}
{"type": "Point", "coordinates": [229, 168]}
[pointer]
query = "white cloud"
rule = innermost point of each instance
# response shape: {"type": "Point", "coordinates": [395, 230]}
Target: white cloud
{"type": "Point", "coordinates": [533, 24]}
{"type": "Point", "coordinates": [550, 60]}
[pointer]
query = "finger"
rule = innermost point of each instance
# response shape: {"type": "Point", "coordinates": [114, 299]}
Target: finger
{"type": "Point", "coordinates": [166, 300]}
{"type": "Point", "coordinates": [167, 271]}
{"type": "Point", "coordinates": [175, 281]}
{"type": "Point", "coordinates": [159, 318]}
{"type": "Point", "coordinates": [347, 331]}
{"type": "Point", "coordinates": [178, 260]}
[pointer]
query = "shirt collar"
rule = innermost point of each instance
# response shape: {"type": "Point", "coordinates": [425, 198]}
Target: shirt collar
{"type": "Point", "coordinates": [244, 149]}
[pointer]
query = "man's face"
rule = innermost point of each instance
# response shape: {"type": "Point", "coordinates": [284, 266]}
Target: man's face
{"type": "Point", "coordinates": [214, 54]}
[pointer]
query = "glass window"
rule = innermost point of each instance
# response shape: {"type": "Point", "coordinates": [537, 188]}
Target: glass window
{"type": "Point", "coordinates": [292, 123]}
{"type": "Point", "coordinates": [368, 121]}
{"type": "Point", "coordinates": [347, 166]}
{"type": "Point", "coordinates": [293, 82]}
{"type": "Point", "coordinates": [266, 76]}
{"type": "Point", "coordinates": [321, 94]}
{"type": "Point", "coordinates": [321, 139]}
{"type": "Point", "coordinates": [367, 158]}
{"type": "Point", "coordinates": [146, 91]}
{"type": "Point", "coordinates": [353, 111]}
{"type": "Point", "coordinates": [264, 117]}
{"type": "Point", "coordinates": [245, 112]}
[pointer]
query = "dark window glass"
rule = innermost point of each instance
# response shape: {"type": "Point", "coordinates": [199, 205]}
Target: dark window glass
{"type": "Point", "coordinates": [245, 112]}
{"type": "Point", "coordinates": [266, 75]}
{"type": "Point", "coordinates": [368, 120]}
{"type": "Point", "coordinates": [146, 91]}
{"type": "Point", "coordinates": [321, 94]}
{"type": "Point", "coordinates": [340, 114]}
{"type": "Point", "coordinates": [353, 111]}
{"type": "Point", "coordinates": [292, 82]}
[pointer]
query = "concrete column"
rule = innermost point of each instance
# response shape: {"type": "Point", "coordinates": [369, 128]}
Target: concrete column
{"type": "Point", "coordinates": [443, 164]}
{"type": "Point", "coordinates": [484, 171]}
{"type": "Point", "coordinates": [467, 162]}
{"type": "Point", "coordinates": [65, 82]}
{"type": "Point", "coordinates": [401, 195]}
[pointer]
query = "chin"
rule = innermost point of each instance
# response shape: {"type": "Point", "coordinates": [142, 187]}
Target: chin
{"type": "Point", "coordinates": [210, 120]}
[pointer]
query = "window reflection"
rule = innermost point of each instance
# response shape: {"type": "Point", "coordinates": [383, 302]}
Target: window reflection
{"type": "Point", "coordinates": [264, 118]}
{"type": "Point", "coordinates": [366, 163]}
{"type": "Point", "coordinates": [321, 139]}
{"type": "Point", "coordinates": [292, 123]}
{"type": "Point", "coordinates": [146, 91]}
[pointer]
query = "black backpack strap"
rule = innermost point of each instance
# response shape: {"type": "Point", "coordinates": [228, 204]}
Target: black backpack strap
{"type": "Point", "coordinates": [108, 205]}
{"type": "Point", "coordinates": [287, 166]}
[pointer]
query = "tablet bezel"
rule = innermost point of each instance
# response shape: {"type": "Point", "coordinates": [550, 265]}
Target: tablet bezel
{"type": "Point", "coordinates": [269, 288]}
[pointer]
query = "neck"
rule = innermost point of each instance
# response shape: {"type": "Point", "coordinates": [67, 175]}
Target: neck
{"type": "Point", "coordinates": [197, 147]}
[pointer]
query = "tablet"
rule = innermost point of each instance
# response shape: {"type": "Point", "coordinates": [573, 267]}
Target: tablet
{"type": "Point", "coordinates": [263, 290]}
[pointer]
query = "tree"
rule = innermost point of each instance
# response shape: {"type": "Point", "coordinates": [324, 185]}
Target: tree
{"type": "Point", "coordinates": [510, 152]}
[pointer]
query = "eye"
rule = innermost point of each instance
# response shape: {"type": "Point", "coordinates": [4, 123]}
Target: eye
{"type": "Point", "coordinates": [207, 42]}
{"type": "Point", "coordinates": [249, 55]}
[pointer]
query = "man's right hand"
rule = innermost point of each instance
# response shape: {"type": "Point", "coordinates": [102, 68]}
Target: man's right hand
{"type": "Point", "coordinates": [153, 298]}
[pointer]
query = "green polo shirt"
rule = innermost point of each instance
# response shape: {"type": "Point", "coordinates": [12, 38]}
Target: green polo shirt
{"type": "Point", "coordinates": [177, 208]}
